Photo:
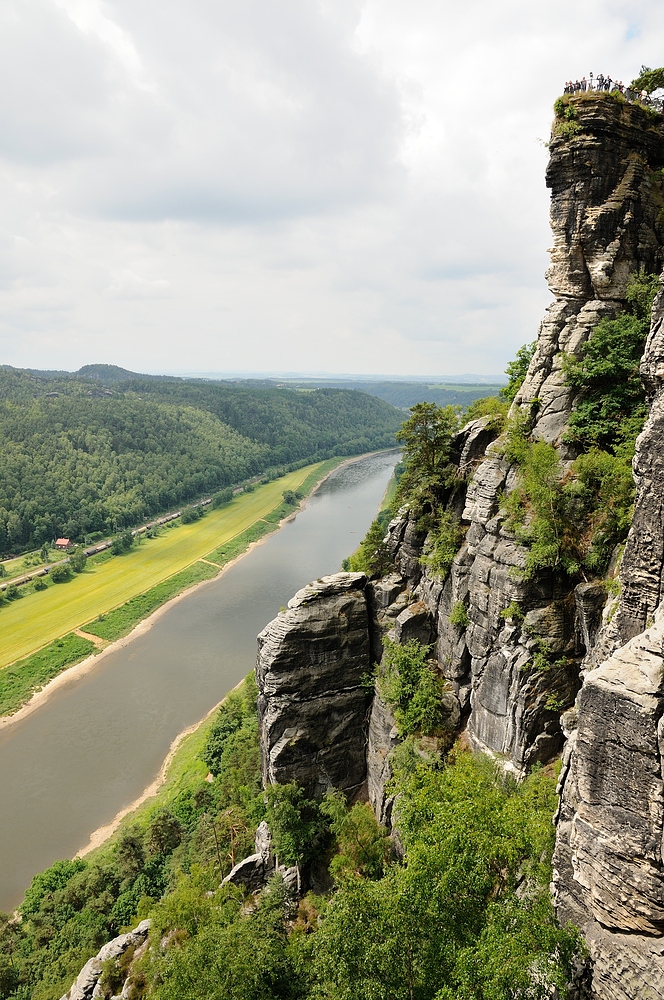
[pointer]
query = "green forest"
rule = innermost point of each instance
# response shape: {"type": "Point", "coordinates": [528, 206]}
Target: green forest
{"type": "Point", "coordinates": [78, 457]}
{"type": "Point", "coordinates": [467, 915]}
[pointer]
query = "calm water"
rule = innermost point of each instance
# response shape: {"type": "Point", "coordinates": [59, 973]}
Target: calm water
{"type": "Point", "coordinates": [68, 768]}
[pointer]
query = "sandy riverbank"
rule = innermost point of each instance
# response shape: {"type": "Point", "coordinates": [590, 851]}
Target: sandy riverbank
{"type": "Point", "coordinates": [102, 833]}
{"type": "Point", "coordinates": [78, 670]}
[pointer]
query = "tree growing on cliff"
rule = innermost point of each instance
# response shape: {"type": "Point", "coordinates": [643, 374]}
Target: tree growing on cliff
{"type": "Point", "coordinates": [372, 556]}
{"type": "Point", "coordinates": [517, 370]}
{"type": "Point", "coordinates": [427, 440]}
{"type": "Point", "coordinates": [611, 407]}
{"type": "Point", "coordinates": [649, 79]}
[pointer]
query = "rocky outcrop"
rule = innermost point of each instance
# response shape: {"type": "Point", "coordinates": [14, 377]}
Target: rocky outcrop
{"type": "Point", "coordinates": [313, 661]}
{"type": "Point", "coordinates": [252, 873]}
{"type": "Point", "coordinates": [642, 567]}
{"type": "Point", "coordinates": [607, 195]}
{"type": "Point", "coordinates": [606, 200]}
{"type": "Point", "coordinates": [609, 860]}
{"type": "Point", "coordinates": [86, 984]}
{"type": "Point", "coordinates": [383, 738]}
{"type": "Point", "coordinates": [513, 645]}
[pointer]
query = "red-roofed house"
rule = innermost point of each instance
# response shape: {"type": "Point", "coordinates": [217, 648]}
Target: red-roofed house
{"type": "Point", "coordinates": [63, 543]}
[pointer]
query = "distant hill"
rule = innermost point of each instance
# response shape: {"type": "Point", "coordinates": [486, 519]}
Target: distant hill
{"type": "Point", "coordinates": [401, 393]}
{"type": "Point", "coordinates": [108, 374]}
{"type": "Point", "coordinates": [406, 394]}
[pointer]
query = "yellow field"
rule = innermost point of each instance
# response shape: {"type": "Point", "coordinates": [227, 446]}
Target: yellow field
{"type": "Point", "coordinates": [28, 624]}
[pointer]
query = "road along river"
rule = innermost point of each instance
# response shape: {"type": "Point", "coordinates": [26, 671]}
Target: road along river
{"type": "Point", "coordinates": [89, 751]}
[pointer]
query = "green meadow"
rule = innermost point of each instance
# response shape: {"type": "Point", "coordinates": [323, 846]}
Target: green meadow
{"type": "Point", "coordinates": [37, 619]}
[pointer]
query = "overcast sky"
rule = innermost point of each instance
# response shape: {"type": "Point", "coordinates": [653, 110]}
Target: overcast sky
{"type": "Point", "coordinates": [286, 185]}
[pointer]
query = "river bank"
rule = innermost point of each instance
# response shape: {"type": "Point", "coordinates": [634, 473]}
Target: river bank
{"type": "Point", "coordinates": [71, 674]}
{"type": "Point", "coordinates": [103, 833]}
{"type": "Point", "coordinates": [98, 744]}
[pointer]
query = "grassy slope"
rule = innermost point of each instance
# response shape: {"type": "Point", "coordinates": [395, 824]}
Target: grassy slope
{"type": "Point", "coordinates": [37, 619]}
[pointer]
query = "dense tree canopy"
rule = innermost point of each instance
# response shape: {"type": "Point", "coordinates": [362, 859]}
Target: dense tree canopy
{"type": "Point", "coordinates": [77, 458]}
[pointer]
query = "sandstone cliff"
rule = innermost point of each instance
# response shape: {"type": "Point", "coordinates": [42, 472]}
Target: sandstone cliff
{"type": "Point", "coordinates": [609, 861]}
{"type": "Point", "coordinates": [605, 176]}
{"type": "Point", "coordinates": [312, 660]}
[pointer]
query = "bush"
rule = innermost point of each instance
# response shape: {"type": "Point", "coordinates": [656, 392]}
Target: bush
{"type": "Point", "coordinates": [488, 406]}
{"type": "Point", "coordinates": [517, 370]}
{"type": "Point", "coordinates": [428, 468]}
{"type": "Point", "coordinates": [361, 842]}
{"type": "Point", "coordinates": [292, 497]}
{"type": "Point", "coordinates": [12, 592]}
{"type": "Point", "coordinates": [78, 560]}
{"type": "Point", "coordinates": [372, 556]}
{"type": "Point", "coordinates": [223, 497]}
{"type": "Point", "coordinates": [60, 573]}
{"type": "Point", "coordinates": [611, 407]}
{"type": "Point", "coordinates": [48, 882]}
{"type": "Point", "coordinates": [412, 688]}
{"type": "Point", "coordinates": [297, 825]}
{"type": "Point", "coordinates": [536, 513]}
{"type": "Point", "coordinates": [512, 612]}
{"type": "Point", "coordinates": [40, 583]}
{"type": "Point", "coordinates": [459, 615]}
{"type": "Point", "coordinates": [122, 543]}
{"type": "Point", "coordinates": [442, 544]}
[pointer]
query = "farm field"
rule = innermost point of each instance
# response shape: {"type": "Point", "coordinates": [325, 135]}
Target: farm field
{"type": "Point", "coordinates": [29, 623]}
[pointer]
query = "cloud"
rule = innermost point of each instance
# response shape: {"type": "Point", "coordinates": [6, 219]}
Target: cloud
{"type": "Point", "coordinates": [351, 185]}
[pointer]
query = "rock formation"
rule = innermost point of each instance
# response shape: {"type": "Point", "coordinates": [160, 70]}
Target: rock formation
{"type": "Point", "coordinates": [609, 860]}
{"type": "Point", "coordinates": [313, 660]}
{"type": "Point", "coordinates": [605, 175]}
{"type": "Point", "coordinates": [86, 985]}
{"type": "Point", "coordinates": [607, 195]}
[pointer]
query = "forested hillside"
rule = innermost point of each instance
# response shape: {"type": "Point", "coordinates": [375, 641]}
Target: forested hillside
{"type": "Point", "coordinates": [77, 457]}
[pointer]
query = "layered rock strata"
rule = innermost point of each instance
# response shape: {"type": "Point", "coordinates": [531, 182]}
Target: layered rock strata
{"type": "Point", "coordinates": [609, 859]}
{"type": "Point", "coordinates": [607, 195]}
{"type": "Point", "coordinates": [519, 659]}
{"type": "Point", "coordinates": [313, 661]}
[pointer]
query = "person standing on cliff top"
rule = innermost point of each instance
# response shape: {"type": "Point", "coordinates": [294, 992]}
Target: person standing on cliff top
{"type": "Point", "coordinates": [583, 83]}
{"type": "Point", "coordinates": [590, 83]}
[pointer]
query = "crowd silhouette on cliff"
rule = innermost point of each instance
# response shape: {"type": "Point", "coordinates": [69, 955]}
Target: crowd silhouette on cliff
{"type": "Point", "coordinates": [606, 84]}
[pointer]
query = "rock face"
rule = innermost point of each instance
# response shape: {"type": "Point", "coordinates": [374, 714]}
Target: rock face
{"type": "Point", "coordinates": [606, 198]}
{"type": "Point", "coordinates": [253, 872]}
{"type": "Point", "coordinates": [383, 738]}
{"type": "Point", "coordinates": [642, 569]}
{"type": "Point", "coordinates": [514, 647]}
{"type": "Point", "coordinates": [312, 704]}
{"type": "Point", "coordinates": [609, 860]}
{"type": "Point", "coordinates": [606, 186]}
{"type": "Point", "coordinates": [608, 864]}
{"type": "Point", "coordinates": [85, 987]}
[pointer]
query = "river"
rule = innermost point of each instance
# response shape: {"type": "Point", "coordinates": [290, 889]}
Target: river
{"type": "Point", "coordinates": [99, 741]}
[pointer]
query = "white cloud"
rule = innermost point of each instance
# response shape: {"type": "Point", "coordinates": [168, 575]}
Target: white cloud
{"type": "Point", "coordinates": [314, 184]}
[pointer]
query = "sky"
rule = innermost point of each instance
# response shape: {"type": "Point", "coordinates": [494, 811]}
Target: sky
{"type": "Point", "coordinates": [286, 185]}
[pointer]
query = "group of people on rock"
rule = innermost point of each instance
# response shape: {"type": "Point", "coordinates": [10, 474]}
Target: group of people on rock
{"type": "Point", "coordinates": [605, 83]}
{"type": "Point", "coordinates": [599, 82]}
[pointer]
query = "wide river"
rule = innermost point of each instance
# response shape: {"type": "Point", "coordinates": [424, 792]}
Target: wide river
{"type": "Point", "coordinates": [100, 740]}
